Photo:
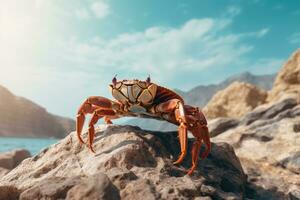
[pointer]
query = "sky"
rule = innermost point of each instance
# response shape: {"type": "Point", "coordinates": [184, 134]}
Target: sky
{"type": "Point", "coordinates": [59, 52]}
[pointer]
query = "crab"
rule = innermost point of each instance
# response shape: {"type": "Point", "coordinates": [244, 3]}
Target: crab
{"type": "Point", "coordinates": [137, 98]}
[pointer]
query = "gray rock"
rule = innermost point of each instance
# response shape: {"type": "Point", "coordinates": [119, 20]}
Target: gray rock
{"type": "Point", "coordinates": [220, 125]}
{"type": "Point", "coordinates": [269, 112]}
{"type": "Point", "coordinates": [294, 194]}
{"type": "Point", "coordinates": [292, 163]}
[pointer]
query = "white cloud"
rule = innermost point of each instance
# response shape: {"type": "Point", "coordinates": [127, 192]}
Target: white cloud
{"type": "Point", "coordinates": [262, 32]}
{"type": "Point", "coordinates": [233, 11]}
{"type": "Point", "coordinates": [82, 13]}
{"type": "Point", "coordinates": [196, 45]}
{"type": "Point", "coordinates": [294, 38]}
{"type": "Point", "coordinates": [100, 9]}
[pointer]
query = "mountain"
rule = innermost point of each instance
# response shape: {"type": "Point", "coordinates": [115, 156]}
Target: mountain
{"type": "Point", "coordinates": [20, 117]}
{"type": "Point", "coordinates": [200, 96]}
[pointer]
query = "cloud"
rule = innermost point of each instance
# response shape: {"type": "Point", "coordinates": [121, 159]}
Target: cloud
{"type": "Point", "coordinates": [100, 9]}
{"type": "Point", "coordinates": [82, 13]}
{"type": "Point", "coordinates": [197, 45]}
{"type": "Point", "coordinates": [232, 11]}
{"type": "Point", "coordinates": [97, 9]}
{"type": "Point", "coordinates": [294, 38]}
{"type": "Point", "coordinates": [262, 32]}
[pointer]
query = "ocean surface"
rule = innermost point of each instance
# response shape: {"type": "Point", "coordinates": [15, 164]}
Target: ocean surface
{"type": "Point", "coordinates": [34, 145]}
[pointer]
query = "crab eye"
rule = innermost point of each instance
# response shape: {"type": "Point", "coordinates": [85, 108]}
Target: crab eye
{"type": "Point", "coordinates": [148, 80]}
{"type": "Point", "coordinates": [114, 80]}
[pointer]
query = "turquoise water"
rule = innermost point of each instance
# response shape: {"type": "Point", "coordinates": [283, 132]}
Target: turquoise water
{"type": "Point", "coordinates": [34, 145]}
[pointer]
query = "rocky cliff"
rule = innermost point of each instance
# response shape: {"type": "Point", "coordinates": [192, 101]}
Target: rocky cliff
{"type": "Point", "coordinates": [235, 101]}
{"type": "Point", "coordinates": [287, 81]}
{"type": "Point", "coordinates": [267, 141]}
{"type": "Point", "coordinates": [21, 117]}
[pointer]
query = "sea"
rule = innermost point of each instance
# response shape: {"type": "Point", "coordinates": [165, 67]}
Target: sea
{"type": "Point", "coordinates": [33, 145]}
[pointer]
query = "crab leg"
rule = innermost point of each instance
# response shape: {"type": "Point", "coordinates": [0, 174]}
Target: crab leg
{"type": "Point", "coordinates": [176, 106]}
{"type": "Point", "coordinates": [88, 107]}
{"type": "Point", "coordinates": [195, 155]}
{"type": "Point", "coordinates": [201, 134]}
{"type": "Point", "coordinates": [99, 113]}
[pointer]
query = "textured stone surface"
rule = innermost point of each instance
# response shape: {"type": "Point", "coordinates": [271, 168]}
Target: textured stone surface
{"type": "Point", "coordinates": [137, 162]}
{"type": "Point", "coordinates": [9, 193]}
{"type": "Point", "coordinates": [268, 145]}
{"type": "Point", "coordinates": [235, 101]}
{"type": "Point", "coordinates": [288, 79]}
{"type": "Point", "coordinates": [220, 125]}
{"type": "Point", "coordinates": [10, 160]}
{"type": "Point", "coordinates": [96, 187]}
{"type": "Point", "coordinates": [271, 111]}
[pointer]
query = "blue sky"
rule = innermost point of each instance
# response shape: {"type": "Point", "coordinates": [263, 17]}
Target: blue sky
{"type": "Point", "coordinates": [58, 52]}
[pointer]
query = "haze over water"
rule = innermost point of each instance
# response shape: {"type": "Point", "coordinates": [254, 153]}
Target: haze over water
{"type": "Point", "coordinates": [34, 145]}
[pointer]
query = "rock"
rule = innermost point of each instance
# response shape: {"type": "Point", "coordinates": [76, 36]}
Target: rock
{"type": "Point", "coordinates": [97, 187]}
{"type": "Point", "coordinates": [51, 188]}
{"type": "Point", "coordinates": [9, 193]}
{"type": "Point", "coordinates": [267, 142]}
{"type": "Point", "coordinates": [287, 80]}
{"type": "Point", "coordinates": [270, 111]}
{"type": "Point", "coordinates": [292, 162]}
{"type": "Point", "coordinates": [294, 194]}
{"type": "Point", "coordinates": [235, 101]}
{"type": "Point", "coordinates": [138, 164]}
{"type": "Point", "coordinates": [3, 171]}
{"type": "Point", "coordinates": [220, 125]}
{"type": "Point", "coordinates": [21, 117]}
{"type": "Point", "coordinates": [10, 160]}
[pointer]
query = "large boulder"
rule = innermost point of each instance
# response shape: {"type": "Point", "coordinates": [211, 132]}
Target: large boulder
{"type": "Point", "coordinates": [235, 101]}
{"type": "Point", "coordinates": [221, 124]}
{"type": "Point", "coordinates": [138, 165]}
{"type": "Point", "coordinates": [287, 81]}
{"type": "Point", "coordinates": [267, 142]}
{"type": "Point", "coordinates": [10, 160]}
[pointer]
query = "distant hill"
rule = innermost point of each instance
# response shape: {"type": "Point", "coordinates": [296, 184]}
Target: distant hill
{"type": "Point", "coordinates": [20, 117]}
{"type": "Point", "coordinates": [200, 96]}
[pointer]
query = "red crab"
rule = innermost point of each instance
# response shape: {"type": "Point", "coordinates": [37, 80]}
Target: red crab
{"type": "Point", "coordinates": [149, 100]}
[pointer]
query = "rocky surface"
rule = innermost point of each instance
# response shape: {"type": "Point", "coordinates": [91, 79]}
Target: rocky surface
{"type": "Point", "coordinates": [235, 101]}
{"type": "Point", "coordinates": [129, 164]}
{"type": "Point", "coordinates": [288, 79]}
{"type": "Point", "coordinates": [267, 141]}
{"type": "Point", "coordinates": [21, 117]}
{"type": "Point", "coordinates": [221, 124]}
{"type": "Point", "coordinates": [10, 160]}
